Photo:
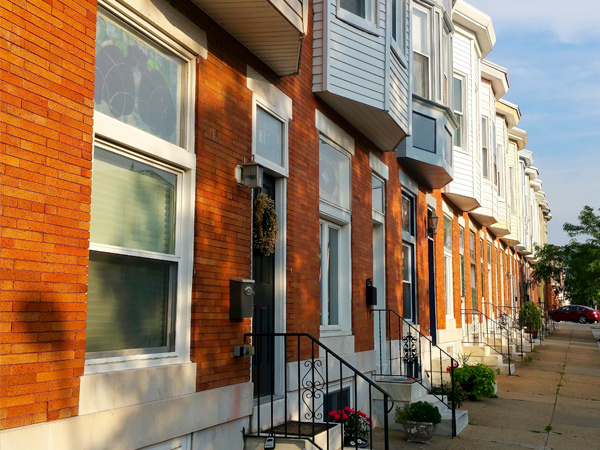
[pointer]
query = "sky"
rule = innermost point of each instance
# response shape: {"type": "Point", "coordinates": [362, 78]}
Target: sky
{"type": "Point", "coordinates": [551, 49]}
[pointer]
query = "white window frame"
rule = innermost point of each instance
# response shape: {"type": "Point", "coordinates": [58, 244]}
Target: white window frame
{"type": "Point", "coordinates": [400, 46]}
{"type": "Point", "coordinates": [332, 214]}
{"type": "Point", "coordinates": [279, 106]}
{"type": "Point", "coordinates": [129, 141]}
{"type": "Point", "coordinates": [409, 241]}
{"type": "Point", "coordinates": [428, 41]}
{"type": "Point", "coordinates": [369, 23]}
{"type": "Point", "coordinates": [448, 272]}
{"type": "Point", "coordinates": [460, 114]}
{"type": "Point", "coordinates": [485, 144]}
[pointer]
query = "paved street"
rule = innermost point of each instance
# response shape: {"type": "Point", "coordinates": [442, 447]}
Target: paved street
{"type": "Point", "coordinates": [552, 402]}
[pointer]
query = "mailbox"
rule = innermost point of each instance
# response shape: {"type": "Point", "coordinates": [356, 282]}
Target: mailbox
{"type": "Point", "coordinates": [241, 298]}
{"type": "Point", "coordinates": [371, 293]}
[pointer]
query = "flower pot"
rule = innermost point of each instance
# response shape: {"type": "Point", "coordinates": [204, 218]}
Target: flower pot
{"type": "Point", "coordinates": [421, 432]}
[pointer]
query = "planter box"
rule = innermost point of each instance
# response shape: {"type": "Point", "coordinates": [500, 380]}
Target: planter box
{"type": "Point", "coordinates": [421, 432]}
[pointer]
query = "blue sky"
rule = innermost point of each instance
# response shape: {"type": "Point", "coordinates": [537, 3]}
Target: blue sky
{"type": "Point", "coordinates": [551, 49]}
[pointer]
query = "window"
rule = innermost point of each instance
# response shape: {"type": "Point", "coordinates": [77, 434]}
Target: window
{"type": "Point", "coordinates": [408, 257]}
{"type": "Point", "coordinates": [360, 8]}
{"type": "Point", "coordinates": [378, 194]}
{"type": "Point", "coordinates": [511, 176]}
{"type": "Point", "coordinates": [473, 270]}
{"type": "Point", "coordinates": [500, 170]}
{"type": "Point", "coordinates": [334, 205]}
{"type": "Point", "coordinates": [459, 110]}
{"type": "Point", "coordinates": [448, 265]}
{"type": "Point", "coordinates": [484, 148]}
{"type": "Point", "coordinates": [432, 51]}
{"type": "Point", "coordinates": [461, 248]}
{"type": "Point", "coordinates": [421, 37]}
{"type": "Point", "coordinates": [270, 139]}
{"type": "Point", "coordinates": [330, 273]}
{"type": "Point", "coordinates": [482, 272]}
{"type": "Point", "coordinates": [399, 27]}
{"type": "Point", "coordinates": [142, 195]}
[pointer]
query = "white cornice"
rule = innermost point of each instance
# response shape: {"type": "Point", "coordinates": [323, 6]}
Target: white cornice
{"type": "Point", "coordinates": [510, 112]}
{"type": "Point", "coordinates": [476, 21]}
{"type": "Point", "coordinates": [498, 76]}
{"type": "Point", "coordinates": [519, 136]}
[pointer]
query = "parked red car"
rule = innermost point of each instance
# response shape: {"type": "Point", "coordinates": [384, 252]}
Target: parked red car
{"type": "Point", "coordinates": [575, 313]}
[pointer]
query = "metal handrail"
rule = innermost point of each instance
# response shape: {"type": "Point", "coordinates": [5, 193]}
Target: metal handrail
{"type": "Point", "coordinates": [313, 386]}
{"type": "Point", "coordinates": [411, 343]}
{"type": "Point", "coordinates": [485, 327]}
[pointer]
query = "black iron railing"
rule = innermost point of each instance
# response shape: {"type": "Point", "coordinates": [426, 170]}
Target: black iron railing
{"type": "Point", "coordinates": [307, 381]}
{"type": "Point", "coordinates": [406, 354]}
{"type": "Point", "coordinates": [481, 329]}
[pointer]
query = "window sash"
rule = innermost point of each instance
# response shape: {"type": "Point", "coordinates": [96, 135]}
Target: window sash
{"type": "Point", "coordinates": [270, 137]}
{"type": "Point", "coordinates": [448, 285]}
{"type": "Point", "coordinates": [378, 194]}
{"type": "Point", "coordinates": [447, 233]}
{"type": "Point", "coordinates": [334, 176]}
{"type": "Point", "coordinates": [138, 81]}
{"type": "Point", "coordinates": [407, 281]}
{"type": "Point", "coordinates": [330, 274]}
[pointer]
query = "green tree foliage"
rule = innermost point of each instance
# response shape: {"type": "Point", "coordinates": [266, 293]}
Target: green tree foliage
{"type": "Point", "coordinates": [576, 264]}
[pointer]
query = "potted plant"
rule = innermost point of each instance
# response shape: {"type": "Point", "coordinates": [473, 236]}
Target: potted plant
{"type": "Point", "coordinates": [445, 389]}
{"type": "Point", "coordinates": [356, 426]}
{"type": "Point", "coordinates": [477, 380]}
{"type": "Point", "coordinates": [419, 420]}
{"type": "Point", "coordinates": [531, 318]}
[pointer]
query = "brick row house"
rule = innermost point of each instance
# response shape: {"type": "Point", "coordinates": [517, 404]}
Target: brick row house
{"type": "Point", "coordinates": [146, 299]}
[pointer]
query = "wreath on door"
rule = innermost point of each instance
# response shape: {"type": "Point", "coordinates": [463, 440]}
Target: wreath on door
{"type": "Point", "coordinates": [265, 224]}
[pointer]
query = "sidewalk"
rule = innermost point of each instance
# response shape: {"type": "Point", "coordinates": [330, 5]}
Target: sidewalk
{"type": "Point", "coordinates": [552, 402]}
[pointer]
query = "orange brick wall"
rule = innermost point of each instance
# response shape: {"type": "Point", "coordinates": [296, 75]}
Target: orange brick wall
{"type": "Point", "coordinates": [46, 93]}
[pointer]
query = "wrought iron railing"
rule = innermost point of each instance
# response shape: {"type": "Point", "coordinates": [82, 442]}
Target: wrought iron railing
{"type": "Point", "coordinates": [305, 383]}
{"type": "Point", "coordinates": [406, 354]}
{"type": "Point", "coordinates": [481, 329]}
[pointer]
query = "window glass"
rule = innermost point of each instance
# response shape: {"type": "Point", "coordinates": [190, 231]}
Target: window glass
{"type": "Point", "coordinates": [128, 303]}
{"type": "Point", "coordinates": [407, 215]}
{"type": "Point", "coordinates": [407, 284]}
{"type": "Point", "coordinates": [269, 139]}
{"type": "Point", "coordinates": [463, 287]}
{"type": "Point", "coordinates": [461, 239]}
{"type": "Point", "coordinates": [484, 148]}
{"type": "Point", "coordinates": [334, 176]}
{"type": "Point", "coordinates": [448, 285]}
{"type": "Point", "coordinates": [421, 52]}
{"type": "Point", "coordinates": [489, 253]}
{"type": "Point", "coordinates": [133, 204]}
{"type": "Point", "coordinates": [137, 82]}
{"type": "Point", "coordinates": [458, 111]}
{"type": "Point", "coordinates": [358, 7]}
{"type": "Point", "coordinates": [472, 246]}
{"type": "Point", "coordinates": [378, 191]}
{"type": "Point", "coordinates": [447, 233]}
{"type": "Point", "coordinates": [398, 24]}
{"type": "Point", "coordinates": [473, 286]}
{"type": "Point", "coordinates": [330, 273]}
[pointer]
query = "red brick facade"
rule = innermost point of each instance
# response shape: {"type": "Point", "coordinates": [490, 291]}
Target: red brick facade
{"type": "Point", "coordinates": [46, 136]}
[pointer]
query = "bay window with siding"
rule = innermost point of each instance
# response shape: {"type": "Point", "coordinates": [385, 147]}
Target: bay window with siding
{"type": "Point", "coordinates": [141, 230]}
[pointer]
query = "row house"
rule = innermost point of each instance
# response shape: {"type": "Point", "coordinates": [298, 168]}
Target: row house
{"type": "Point", "coordinates": [227, 219]}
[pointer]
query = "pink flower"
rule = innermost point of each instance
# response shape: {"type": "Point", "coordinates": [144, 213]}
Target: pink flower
{"type": "Point", "coordinates": [362, 414]}
{"type": "Point", "coordinates": [345, 416]}
{"type": "Point", "coordinates": [337, 417]}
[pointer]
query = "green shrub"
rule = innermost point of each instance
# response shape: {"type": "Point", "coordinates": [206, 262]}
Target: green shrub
{"type": "Point", "coordinates": [459, 397]}
{"type": "Point", "coordinates": [477, 380]}
{"type": "Point", "coordinates": [418, 412]}
{"type": "Point", "coordinates": [530, 316]}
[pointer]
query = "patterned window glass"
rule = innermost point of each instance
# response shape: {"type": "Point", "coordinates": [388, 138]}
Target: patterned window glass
{"type": "Point", "coordinates": [447, 233]}
{"type": "Point", "coordinates": [334, 176]}
{"type": "Point", "coordinates": [137, 81]}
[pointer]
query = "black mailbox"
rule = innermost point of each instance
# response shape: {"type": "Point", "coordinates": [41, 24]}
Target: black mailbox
{"type": "Point", "coordinates": [241, 298]}
{"type": "Point", "coordinates": [371, 293]}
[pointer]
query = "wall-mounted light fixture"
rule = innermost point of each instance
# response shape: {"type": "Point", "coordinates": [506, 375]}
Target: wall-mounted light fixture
{"type": "Point", "coordinates": [432, 222]}
{"type": "Point", "coordinates": [249, 174]}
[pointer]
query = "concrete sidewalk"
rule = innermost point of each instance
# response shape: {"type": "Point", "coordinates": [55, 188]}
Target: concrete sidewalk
{"type": "Point", "coordinates": [552, 402]}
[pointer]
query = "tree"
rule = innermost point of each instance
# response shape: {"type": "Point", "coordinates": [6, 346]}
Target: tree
{"type": "Point", "coordinates": [577, 263]}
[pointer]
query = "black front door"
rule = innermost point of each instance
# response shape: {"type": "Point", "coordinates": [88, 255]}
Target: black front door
{"type": "Point", "coordinates": [432, 306]}
{"type": "Point", "coordinates": [263, 319]}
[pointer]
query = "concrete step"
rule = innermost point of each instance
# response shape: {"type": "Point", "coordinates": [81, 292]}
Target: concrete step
{"type": "Point", "coordinates": [282, 443]}
{"type": "Point", "coordinates": [403, 393]}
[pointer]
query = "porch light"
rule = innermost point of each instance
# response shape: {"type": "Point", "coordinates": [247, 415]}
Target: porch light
{"type": "Point", "coordinates": [432, 219]}
{"type": "Point", "coordinates": [249, 174]}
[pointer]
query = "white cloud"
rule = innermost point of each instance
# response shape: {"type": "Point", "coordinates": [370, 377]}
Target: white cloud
{"type": "Point", "coordinates": [574, 21]}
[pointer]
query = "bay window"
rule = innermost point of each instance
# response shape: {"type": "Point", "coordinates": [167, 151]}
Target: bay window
{"type": "Point", "coordinates": [399, 43]}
